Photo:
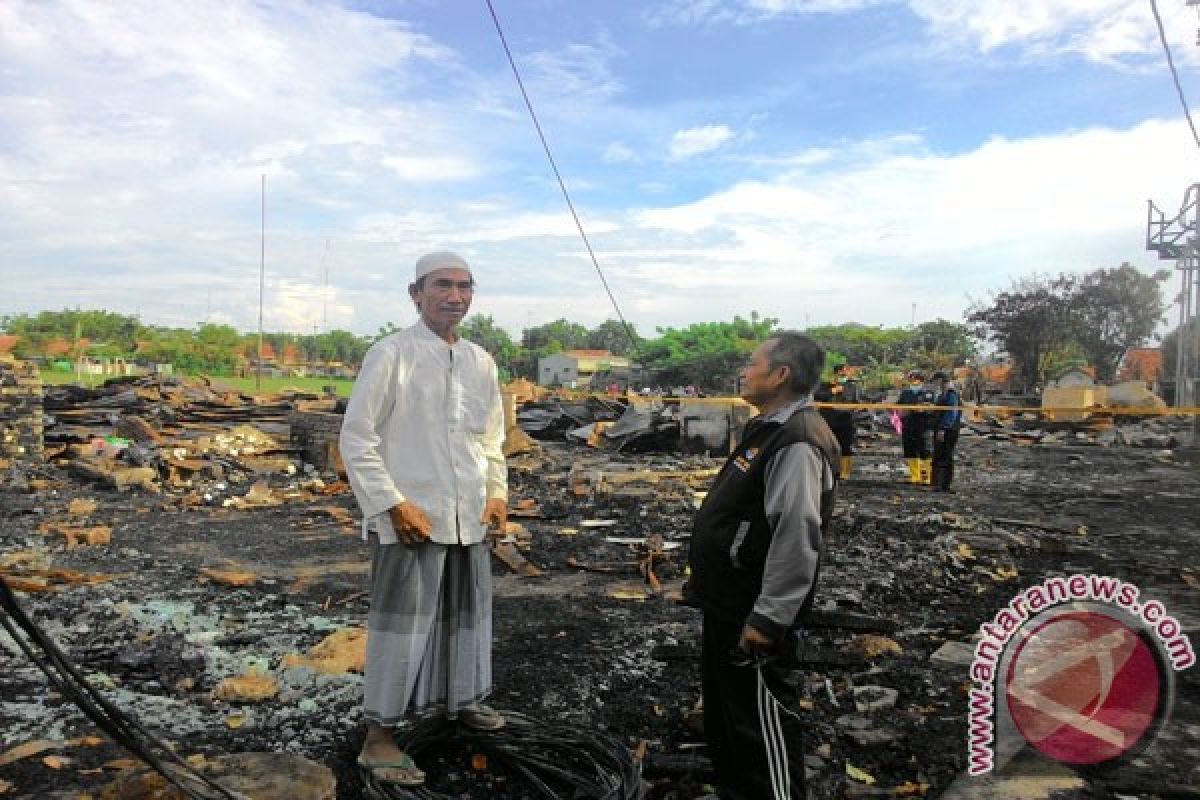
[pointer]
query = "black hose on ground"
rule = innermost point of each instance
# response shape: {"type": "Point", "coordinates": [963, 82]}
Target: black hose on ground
{"type": "Point", "coordinates": [39, 648]}
{"type": "Point", "coordinates": [545, 760]}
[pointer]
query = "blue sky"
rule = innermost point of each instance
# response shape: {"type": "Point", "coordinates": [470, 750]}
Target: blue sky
{"type": "Point", "coordinates": [819, 161]}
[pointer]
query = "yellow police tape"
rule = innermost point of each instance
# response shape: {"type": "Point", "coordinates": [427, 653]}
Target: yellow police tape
{"type": "Point", "coordinates": [1011, 410]}
{"type": "Point", "coordinates": [1123, 411]}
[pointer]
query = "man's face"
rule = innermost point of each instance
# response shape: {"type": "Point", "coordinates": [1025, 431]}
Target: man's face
{"type": "Point", "coordinates": [444, 298]}
{"type": "Point", "coordinates": [758, 383]}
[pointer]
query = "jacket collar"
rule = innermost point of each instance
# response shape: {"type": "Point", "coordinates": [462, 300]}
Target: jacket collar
{"type": "Point", "coordinates": [783, 414]}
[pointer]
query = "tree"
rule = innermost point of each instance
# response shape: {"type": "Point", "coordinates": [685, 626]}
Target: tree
{"type": "Point", "coordinates": [483, 331]}
{"type": "Point", "coordinates": [387, 329]}
{"type": "Point", "coordinates": [612, 335]}
{"type": "Point", "coordinates": [940, 344]}
{"type": "Point", "coordinates": [707, 354]}
{"type": "Point", "coordinates": [554, 337]}
{"type": "Point", "coordinates": [1031, 322]}
{"type": "Point", "coordinates": [862, 344]}
{"type": "Point", "coordinates": [118, 332]}
{"type": "Point", "coordinates": [1114, 310]}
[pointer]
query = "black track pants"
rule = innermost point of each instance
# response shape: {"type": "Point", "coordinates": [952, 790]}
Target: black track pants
{"type": "Point", "coordinates": [732, 726]}
{"type": "Point", "coordinates": [943, 458]}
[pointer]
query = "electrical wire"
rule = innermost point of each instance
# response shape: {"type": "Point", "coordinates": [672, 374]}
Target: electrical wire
{"type": "Point", "coordinates": [1162, 35]}
{"type": "Point", "coordinates": [39, 648]}
{"type": "Point", "coordinates": [552, 760]}
{"type": "Point", "coordinates": [558, 177]}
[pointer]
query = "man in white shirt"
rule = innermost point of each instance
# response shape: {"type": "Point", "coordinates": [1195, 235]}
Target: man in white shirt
{"type": "Point", "coordinates": [422, 443]}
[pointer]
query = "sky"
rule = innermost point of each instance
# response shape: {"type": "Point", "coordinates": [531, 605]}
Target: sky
{"type": "Point", "coordinates": [885, 162]}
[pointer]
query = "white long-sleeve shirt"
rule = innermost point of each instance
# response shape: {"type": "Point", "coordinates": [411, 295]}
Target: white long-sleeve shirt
{"type": "Point", "coordinates": [425, 424]}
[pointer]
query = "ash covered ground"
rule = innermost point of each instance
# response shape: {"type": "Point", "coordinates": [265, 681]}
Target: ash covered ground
{"type": "Point", "coordinates": [592, 647]}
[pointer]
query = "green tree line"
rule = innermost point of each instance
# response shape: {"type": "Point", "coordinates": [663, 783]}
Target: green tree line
{"type": "Point", "coordinates": [1041, 323]}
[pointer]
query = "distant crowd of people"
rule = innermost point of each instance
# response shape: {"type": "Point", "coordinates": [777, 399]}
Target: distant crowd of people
{"type": "Point", "coordinates": [928, 437]}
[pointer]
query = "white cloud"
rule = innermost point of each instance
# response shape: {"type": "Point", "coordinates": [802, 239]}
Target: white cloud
{"type": "Point", "coordinates": [885, 224]}
{"type": "Point", "coordinates": [580, 72]}
{"type": "Point", "coordinates": [745, 12]}
{"type": "Point", "coordinates": [424, 168]}
{"type": "Point", "coordinates": [1100, 30]}
{"type": "Point", "coordinates": [810, 6]}
{"type": "Point", "coordinates": [619, 153]}
{"type": "Point", "coordinates": [695, 141]}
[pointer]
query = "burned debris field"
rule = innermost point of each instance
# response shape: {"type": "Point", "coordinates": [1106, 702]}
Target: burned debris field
{"type": "Point", "coordinates": [208, 578]}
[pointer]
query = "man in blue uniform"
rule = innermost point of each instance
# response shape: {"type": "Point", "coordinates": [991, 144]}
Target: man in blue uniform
{"type": "Point", "coordinates": [946, 423]}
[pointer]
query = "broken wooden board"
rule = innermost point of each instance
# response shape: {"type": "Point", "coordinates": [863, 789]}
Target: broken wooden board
{"type": "Point", "coordinates": [508, 553]}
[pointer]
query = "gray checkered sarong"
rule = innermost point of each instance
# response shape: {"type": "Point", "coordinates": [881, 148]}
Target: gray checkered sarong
{"type": "Point", "coordinates": [429, 630]}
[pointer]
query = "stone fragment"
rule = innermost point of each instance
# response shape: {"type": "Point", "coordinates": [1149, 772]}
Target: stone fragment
{"type": "Point", "coordinates": [874, 698]}
{"type": "Point", "coordinates": [250, 688]}
{"type": "Point", "coordinates": [871, 646]}
{"type": "Point", "coordinates": [953, 654]}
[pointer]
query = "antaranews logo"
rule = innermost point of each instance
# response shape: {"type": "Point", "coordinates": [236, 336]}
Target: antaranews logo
{"type": "Point", "coordinates": [1078, 668]}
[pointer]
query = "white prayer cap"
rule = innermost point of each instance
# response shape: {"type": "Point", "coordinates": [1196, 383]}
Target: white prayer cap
{"type": "Point", "coordinates": [443, 259]}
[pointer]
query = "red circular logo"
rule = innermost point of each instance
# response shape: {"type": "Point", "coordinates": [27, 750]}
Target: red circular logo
{"type": "Point", "coordinates": [1084, 688]}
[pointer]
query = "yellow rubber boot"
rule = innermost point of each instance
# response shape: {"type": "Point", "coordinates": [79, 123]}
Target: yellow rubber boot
{"type": "Point", "coordinates": [914, 470]}
{"type": "Point", "coordinates": [847, 463]}
{"type": "Point", "coordinates": [927, 471]}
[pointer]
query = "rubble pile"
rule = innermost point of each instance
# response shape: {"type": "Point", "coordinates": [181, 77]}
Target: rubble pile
{"type": "Point", "coordinates": [221, 599]}
{"type": "Point", "coordinates": [20, 413]}
{"type": "Point", "coordinates": [186, 438]}
{"type": "Point", "coordinates": [1106, 430]}
{"type": "Point", "coordinates": [638, 425]}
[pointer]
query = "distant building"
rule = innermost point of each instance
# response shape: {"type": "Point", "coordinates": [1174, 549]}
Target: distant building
{"type": "Point", "coordinates": [576, 367]}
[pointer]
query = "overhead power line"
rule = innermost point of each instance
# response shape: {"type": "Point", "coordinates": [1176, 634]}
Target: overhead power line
{"type": "Point", "coordinates": [1162, 35]}
{"type": "Point", "coordinates": [558, 176]}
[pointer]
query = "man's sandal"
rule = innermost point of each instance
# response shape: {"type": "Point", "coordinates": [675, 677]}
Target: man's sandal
{"type": "Point", "coordinates": [480, 718]}
{"type": "Point", "coordinates": [401, 771]}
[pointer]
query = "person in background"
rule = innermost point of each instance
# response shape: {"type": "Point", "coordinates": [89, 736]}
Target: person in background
{"type": "Point", "coordinates": [946, 423]}
{"type": "Point", "coordinates": [840, 420]}
{"type": "Point", "coordinates": [422, 442]}
{"type": "Point", "coordinates": [850, 395]}
{"type": "Point", "coordinates": [914, 427]}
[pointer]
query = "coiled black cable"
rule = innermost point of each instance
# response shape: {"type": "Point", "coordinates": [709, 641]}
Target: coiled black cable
{"type": "Point", "coordinates": [556, 761]}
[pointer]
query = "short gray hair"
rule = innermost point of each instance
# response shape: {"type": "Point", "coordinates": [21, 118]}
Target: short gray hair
{"type": "Point", "coordinates": [803, 357]}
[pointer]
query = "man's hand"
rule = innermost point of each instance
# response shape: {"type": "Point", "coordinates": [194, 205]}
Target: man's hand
{"type": "Point", "coordinates": [495, 515]}
{"type": "Point", "coordinates": [755, 641]}
{"type": "Point", "coordinates": [939, 436]}
{"type": "Point", "coordinates": [411, 524]}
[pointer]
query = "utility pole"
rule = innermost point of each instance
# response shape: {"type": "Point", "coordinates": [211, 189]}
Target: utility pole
{"type": "Point", "coordinates": [325, 293]}
{"type": "Point", "coordinates": [1177, 238]}
{"type": "Point", "coordinates": [262, 281]}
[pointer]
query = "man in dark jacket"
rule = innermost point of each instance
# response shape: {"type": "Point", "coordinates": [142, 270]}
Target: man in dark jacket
{"type": "Point", "coordinates": [842, 421]}
{"type": "Point", "coordinates": [754, 559]}
{"type": "Point", "coordinates": [915, 427]}
{"type": "Point", "coordinates": [946, 423]}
